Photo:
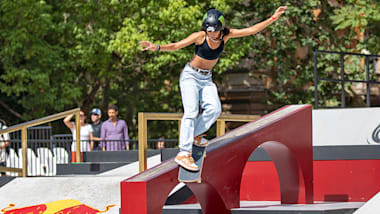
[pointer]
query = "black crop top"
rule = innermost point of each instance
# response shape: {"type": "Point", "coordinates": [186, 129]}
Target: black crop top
{"type": "Point", "coordinates": [204, 51]}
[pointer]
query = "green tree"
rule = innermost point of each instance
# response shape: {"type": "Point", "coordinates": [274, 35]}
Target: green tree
{"type": "Point", "coordinates": [358, 21]}
{"type": "Point", "coordinates": [361, 20]}
{"type": "Point", "coordinates": [283, 53]}
{"type": "Point", "coordinates": [54, 55]}
{"type": "Point", "coordinates": [150, 79]}
{"type": "Point", "coordinates": [31, 59]}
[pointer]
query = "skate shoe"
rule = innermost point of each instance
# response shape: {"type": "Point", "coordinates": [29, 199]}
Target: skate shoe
{"type": "Point", "coordinates": [186, 161]}
{"type": "Point", "coordinates": [200, 141]}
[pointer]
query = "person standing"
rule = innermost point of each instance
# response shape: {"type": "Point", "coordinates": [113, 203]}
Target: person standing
{"type": "Point", "coordinates": [4, 143]}
{"type": "Point", "coordinates": [197, 87]}
{"type": "Point", "coordinates": [86, 143]}
{"type": "Point", "coordinates": [96, 115]}
{"type": "Point", "coordinates": [114, 132]}
{"type": "Point", "coordinates": [161, 143]}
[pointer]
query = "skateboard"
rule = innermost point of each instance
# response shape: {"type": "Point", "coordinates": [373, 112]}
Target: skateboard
{"type": "Point", "coordinates": [184, 175]}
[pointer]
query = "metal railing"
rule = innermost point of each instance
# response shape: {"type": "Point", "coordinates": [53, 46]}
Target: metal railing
{"type": "Point", "coordinates": [43, 155]}
{"type": "Point", "coordinates": [342, 79]}
{"type": "Point", "coordinates": [13, 151]}
{"type": "Point", "coordinates": [24, 138]}
{"type": "Point", "coordinates": [46, 154]}
{"type": "Point", "coordinates": [143, 118]}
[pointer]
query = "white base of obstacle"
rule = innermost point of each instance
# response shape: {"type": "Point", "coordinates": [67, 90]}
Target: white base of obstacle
{"type": "Point", "coordinates": [371, 207]}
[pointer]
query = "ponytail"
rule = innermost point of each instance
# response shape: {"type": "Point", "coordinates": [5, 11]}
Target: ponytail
{"type": "Point", "coordinates": [225, 31]}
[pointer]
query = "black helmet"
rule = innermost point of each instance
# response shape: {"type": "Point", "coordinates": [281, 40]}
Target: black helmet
{"type": "Point", "coordinates": [213, 20]}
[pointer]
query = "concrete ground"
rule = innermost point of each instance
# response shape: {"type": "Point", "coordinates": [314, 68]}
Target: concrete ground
{"type": "Point", "coordinates": [96, 191]}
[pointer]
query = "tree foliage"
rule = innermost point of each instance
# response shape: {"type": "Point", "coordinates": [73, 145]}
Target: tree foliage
{"type": "Point", "coordinates": [360, 17]}
{"type": "Point", "coordinates": [359, 22]}
{"type": "Point", "coordinates": [56, 56]}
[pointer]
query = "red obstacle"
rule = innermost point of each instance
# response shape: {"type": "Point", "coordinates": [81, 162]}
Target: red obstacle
{"type": "Point", "coordinates": [286, 135]}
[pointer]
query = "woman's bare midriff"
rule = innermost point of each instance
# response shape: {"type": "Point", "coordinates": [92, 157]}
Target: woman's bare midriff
{"type": "Point", "coordinates": [203, 63]}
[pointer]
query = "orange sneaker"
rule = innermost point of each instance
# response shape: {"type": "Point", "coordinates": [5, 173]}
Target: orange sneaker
{"type": "Point", "coordinates": [186, 161]}
{"type": "Point", "coordinates": [200, 141]}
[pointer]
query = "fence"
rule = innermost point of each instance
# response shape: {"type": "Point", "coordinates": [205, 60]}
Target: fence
{"type": "Point", "coordinates": [34, 151]}
{"type": "Point", "coordinates": [342, 79]}
{"type": "Point", "coordinates": [24, 151]}
{"type": "Point", "coordinates": [45, 151]}
{"type": "Point", "coordinates": [38, 141]}
{"type": "Point", "coordinates": [143, 118]}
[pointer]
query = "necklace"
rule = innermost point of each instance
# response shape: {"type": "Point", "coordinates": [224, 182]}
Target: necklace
{"type": "Point", "coordinates": [214, 40]}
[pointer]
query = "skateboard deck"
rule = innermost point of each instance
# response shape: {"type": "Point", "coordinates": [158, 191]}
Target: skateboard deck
{"type": "Point", "coordinates": [185, 175]}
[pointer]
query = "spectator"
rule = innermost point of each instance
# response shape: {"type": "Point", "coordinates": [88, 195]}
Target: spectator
{"type": "Point", "coordinates": [96, 115]}
{"type": "Point", "coordinates": [114, 132]}
{"type": "Point", "coordinates": [86, 143]}
{"type": "Point", "coordinates": [161, 143]}
{"type": "Point", "coordinates": [4, 143]}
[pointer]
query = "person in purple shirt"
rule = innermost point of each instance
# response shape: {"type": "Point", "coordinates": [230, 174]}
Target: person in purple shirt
{"type": "Point", "coordinates": [114, 132]}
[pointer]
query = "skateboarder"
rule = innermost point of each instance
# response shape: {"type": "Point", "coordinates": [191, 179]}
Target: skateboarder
{"type": "Point", "coordinates": [196, 78]}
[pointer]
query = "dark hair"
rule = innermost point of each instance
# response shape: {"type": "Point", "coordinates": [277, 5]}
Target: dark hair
{"type": "Point", "coordinates": [82, 109]}
{"type": "Point", "coordinates": [114, 107]}
{"type": "Point", "coordinates": [225, 31]}
{"type": "Point", "coordinates": [2, 123]}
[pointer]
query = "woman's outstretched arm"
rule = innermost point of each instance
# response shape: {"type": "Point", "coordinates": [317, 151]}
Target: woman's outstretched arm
{"type": "Point", "coordinates": [234, 33]}
{"type": "Point", "coordinates": [193, 38]}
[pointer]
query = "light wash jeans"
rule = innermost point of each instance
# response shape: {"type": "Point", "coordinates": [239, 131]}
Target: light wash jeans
{"type": "Point", "coordinates": [197, 90]}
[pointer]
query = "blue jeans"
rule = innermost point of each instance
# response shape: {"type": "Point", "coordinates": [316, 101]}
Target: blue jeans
{"type": "Point", "coordinates": [197, 90]}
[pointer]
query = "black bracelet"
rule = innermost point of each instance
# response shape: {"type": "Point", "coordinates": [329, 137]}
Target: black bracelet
{"type": "Point", "coordinates": [159, 47]}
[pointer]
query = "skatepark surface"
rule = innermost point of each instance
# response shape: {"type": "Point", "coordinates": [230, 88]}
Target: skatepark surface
{"type": "Point", "coordinates": [96, 191]}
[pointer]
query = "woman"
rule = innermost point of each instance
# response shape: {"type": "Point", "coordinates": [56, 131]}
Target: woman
{"type": "Point", "coordinates": [4, 144]}
{"type": "Point", "coordinates": [196, 82]}
{"type": "Point", "coordinates": [86, 138]}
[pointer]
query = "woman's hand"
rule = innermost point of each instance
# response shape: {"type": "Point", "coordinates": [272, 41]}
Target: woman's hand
{"type": "Point", "coordinates": [279, 12]}
{"type": "Point", "coordinates": [148, 46]}
{"type": "Point", "coordinates": [67, 122]}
